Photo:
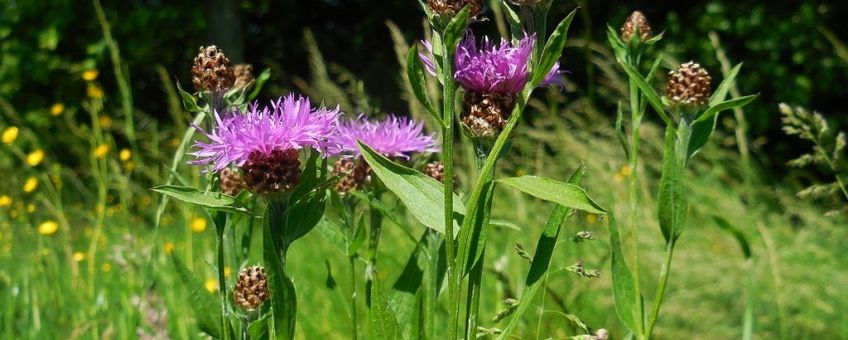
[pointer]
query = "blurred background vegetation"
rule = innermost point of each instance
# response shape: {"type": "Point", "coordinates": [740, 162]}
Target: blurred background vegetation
{"type": "Point", "coordinates": [73, 164]}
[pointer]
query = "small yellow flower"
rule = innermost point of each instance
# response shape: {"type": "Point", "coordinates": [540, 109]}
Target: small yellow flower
{"type": "Point", "coordinates": [198, 225]}
{"type": "Point", "coordinates": [211, 285]}
{"type": "Point", "coordinates": [30, 185]}
{"type": "Point", "coordinates": [57, 109]}
{"type": "Point", "coordinates": [227, 271]}
{"type": "Point", "coordinates": [101, 151]}
{"type": "Point", "coordinates": [10, 135]}
{"type": "Point", "coordinates": [107, 267]}
{"type": "Point", "coordinates": [125, 155]}
{"type": "Point", "coordinates": [34, 158]}
{"type": "Point", "coordinates": [591, 218]}
{"type": "Point", "coordinates": [169, 247]}
{"type": "Point", "coordinates": [5, 201]}
{"type": "Point", "coordinates": [79, 256]}
{"type": "Point", "coordinates": [94, 91]}
{"type": "Point", "coordinates": [30, 208]}
{"type": "Point", "coordinates": [48, 228]}
{"type": "Point", "coordinates": [625, 171]}
{"type": "Point", "coordinates": [90, 75]}
{"type": "Point", "coordinates": [105, 122]}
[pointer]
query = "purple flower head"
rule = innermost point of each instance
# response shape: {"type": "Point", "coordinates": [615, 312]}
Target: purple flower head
{"type": "Point", "coordinates": [502, 68]}
{"type": "Point", "coordinates": [392, 137]}
{"type": "Point", "coordinates": [290, 123]}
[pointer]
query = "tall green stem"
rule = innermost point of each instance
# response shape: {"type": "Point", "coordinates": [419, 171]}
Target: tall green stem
{"type": "Point", "coordinates": [353, 296]}
{"type": "Point", "coordinates": [448, 96]}
{"type": "Point", "coordinates": [220, 223]}
{"type": "Point", "coordinates": [660, 293]}
{"type": "Point", "coordinates": [376, 225]}
{"type": "Point", "coordinates": [635, 121]}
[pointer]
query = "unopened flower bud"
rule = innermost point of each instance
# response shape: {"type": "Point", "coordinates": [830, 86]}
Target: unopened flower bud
{"type": "Point", "coordinates": [636, 23]}
{"type": "Point", "coordinates": [211, 70]}
{"type": "Point", "coordinates": [486, 114]}
{"type": "Point", "coordinates": [357, 173]}
{"type": "Point", "coordinates": [244, 76]}
{"type": "Point", "coordinates": [689, 86]}
{"type": "Point", "coordinates": [435, 170]}
{"type": "Point", "coordinates": [271, 173]}
{"type": "Point", "coordinates": [231, 182]}
{"type": "Point", "coordinates": [449, 8]}
{"type": "Point", "coordinates": [251, 288]}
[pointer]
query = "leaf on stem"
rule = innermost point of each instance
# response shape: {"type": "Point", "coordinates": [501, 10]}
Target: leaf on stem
{"type": "Point", "coordinates": [418, 81]}
{"type": "Point", "coordinates": [212, 200]}
{"type": "Point", "coordinates": [672, 202]}
{"type": "Point", "coordinates": [382, 323]}
{"type": "Point", "coordinates": [627, 299]}
{"type": "Point", "coordinates": [283, 298]}
{"type": "Point", "coordinates": [552, 51]}
{"type": "Point", "coordinates": [549, 189]}
{"type": "Point", "coordinates": [206, 307]}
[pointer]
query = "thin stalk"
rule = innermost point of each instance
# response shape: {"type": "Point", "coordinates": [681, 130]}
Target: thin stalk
{"type": "Point", "coordinates": [352, 260]}
{"type": "Point", "coordinates": [660, 293]}
{"type": "Point", "coordinates": [636, 122]}
{"type": "Point", "coordinates": [220, 223]}
{"type": "Point", "coordinates": [375, 229]}
{"type": "Point", "coordinates": [448, 96]}
{"type": "Point", "coordinates": [475, 279]}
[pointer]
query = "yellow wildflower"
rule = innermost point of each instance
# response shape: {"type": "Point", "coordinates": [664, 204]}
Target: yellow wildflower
{"type": "Point", "coordinates": [30, 185]}
{"type": "Point", "coordinates": [48, 228]}
{"type": "Point", "coordinates": [105, 122]}
{"type": "Point", "coordinates": [198, 225]}
{"type": "Point", "coordinates": [107, 267]}
{"type": "Point", "coordinates": [5, 201]}
{"type": "Point", "coordinates": [79, 256]}
{"type": "Point", "coordinates": [169, 247]}
{"type": "Point", "coordinates": [94, 91]}
{"type": "Point", "coordinates": [57, 109]}
{"type": "Point", "coordinates": [591, 218]}
{"type": "Point", "coordinates": [101, 151]}
{"type": "Point", "coordinates": [90, 75]}
{"type": "Point", "coordinates": [125, 155]}
{"type": "Point", "coordinates": [625, 171]}
{"type": "Point", "coordinates": [211, 285]}
{"type": "Point", "coordinates": [34, 158]}
{"type": "Point", "coordinates": [30, 208]}
{"type": "Point", "coordinates": [10, 135]}
{"type": "Point", "coordinates": [227, 271]}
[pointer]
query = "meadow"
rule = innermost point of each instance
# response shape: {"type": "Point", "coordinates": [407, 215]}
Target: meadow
{"type": "Point", "coordinates": [110, 230]}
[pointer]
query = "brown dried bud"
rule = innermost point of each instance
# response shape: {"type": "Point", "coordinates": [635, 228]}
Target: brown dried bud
{"type": "Point", "coordinates": [231, 182]}
{"type": "Point", "coordinates": [689, 86]}
{"type": "Point", "coordinates": [272, 173]}
{"type": "Point", "coordinates": [251, 288]}
{"type": "Point", "coordinates": [211, 70]}
{"type": "Point", "coordinates": [449, 8]}
{"type": "Point", "coordinates": [486, 114]}
{"type": "Point", "coordinates": [357, 173]}
{"type": "Point", "coordinates": [436, 170]}
{"type": "Point", "coordinates": [636, 22]}
{"type": "Point", "coordinates": [244, 76]}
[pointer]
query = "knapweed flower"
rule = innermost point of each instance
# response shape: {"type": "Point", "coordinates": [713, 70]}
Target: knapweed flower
{"type": "Point", "coordinates": [231, 181]}
{"type": "Point", "coordinates": [636, 23]}
{"type": "Point", "coordinates": [689, 86]}
{"type": "Point", "coordinates": [492, 76]}
{"type": "Point", "coordinates": [264, 142]}
{"type": "Point", "coordinates": [449, 8]}
{"type": "Point", "coordinates": [251, 288]}
{"type": "Point", "coordinates": [394, 137]}
{"type": "Point", "coordinates": [211, 71]}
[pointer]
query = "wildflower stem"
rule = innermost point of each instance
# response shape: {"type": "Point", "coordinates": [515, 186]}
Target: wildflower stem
{"type": "Point", "coordinates": [660, 293]}
{"type": "Point", "coordinates": [636, 122]}
{"type": "Point", "coordinates": [220, 223]}
{"type": "Point", "coordinates": [376, 223]}
{"type": "Point", "coordinates": [352, 260]}
{"type": "Point", "coordinates": [449, 92]}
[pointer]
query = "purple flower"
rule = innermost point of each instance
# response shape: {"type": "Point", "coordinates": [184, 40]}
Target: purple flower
{"type": "Point", "coordinates": [502, 68]}
{"type": "Point", "coordinates": [290, 123]}
{"type": "Point", "coordinates": [392, 137]}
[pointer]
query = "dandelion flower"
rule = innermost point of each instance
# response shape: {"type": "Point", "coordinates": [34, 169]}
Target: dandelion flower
{"type": "Point", "coordinates": [34, 158]}
{"type": "Point", "coordinates": [57, 109]}
{"type": "Point", "coordinates": [125, 155]}
{"type": "Point", "coordinates": [79, 256]}
{"type": "Point", "coordinates": [211, 285]}
{"type": "Point", "coordinates": [168, 247]}
{"type": "Point", "coordinates": [10, 135]}
{"type": "Point", "coordinates": [101, 151]}
{"type": "Point", "coordinates": [5, 201]}
{"type": "Point", "coordinates": [90, 75]}
{"type": "Point", "coordinates": [198, 225]}
{"type": "Point", "coordinates": [30, 185]}
{"type": "Point", "coordinates": [265, 142]}
{"type": "Point", "coordinates": [48, 228]}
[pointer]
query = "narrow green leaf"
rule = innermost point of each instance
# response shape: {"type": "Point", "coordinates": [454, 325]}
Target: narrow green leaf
{"type": "Point", "coordinates": [553, 50]}
{"type": "Point", "coordinates": [565, 194]}
{"type": "Point", "coordinates": [332, 232]}
{"type": "Point", "coordinates": [212, 200]}
{"type": "Point", "coordinates": [672, 202]}
{"type": "Point", "coordinates": [721, 91]}
{"type": "Point", "coordinates": [283, 299]}
{"type": "Point", "coordinates": [726, 105]}
{"type": "Point", "coordinates": [472, 237]}
{"type": "Point", "coordinates": [308, 201]}
{"type": "Point", "coordinates": [701, 132]}
{"type": "Point", "coordinates": [206, 306]}
{"type": "Point", "coordinates": [258, 329]}
{"type": "Point", "coordinates": [541, 259]}
{"type": "Point", "coordinates": [418, 81]}
{"type": "Point", "coordinates": [648, 91]}
{"type": "Point", "coordinates": [189, 101]}
{"type": "Point", "coordinates": [358, 238]}
{"type": "Point", "coordinates": [456, 27]}
{"type": "Point", "coordinates": [625, 296]}
{"type": "Point", "coordinates": [422, 195]}
{"type": "Point", "coordinates": [406, 295]}
{"type": "Point", "coordinates": [260, 82]}
{"type": "Point", "coordinates": [736, 233]}
{"type": "Point", "coordinates": [515, 29]}
{"type": "Point", "coordinates": [382, 323]}
{"type": "Point", "coordinates": [619, 49]}
{"type": "Point", "coordinates": [619, 131]}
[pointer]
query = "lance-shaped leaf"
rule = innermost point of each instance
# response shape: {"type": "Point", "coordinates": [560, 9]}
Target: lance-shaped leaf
{"type": "Point", "coordinates": [626, 298]}
{"type": "Point", "coordinates": [212, 200]}
{"type": "Point", "coordinates": [206, 307]}
{"type": "Point", "coordinates": [672, 199]}
{"type": "Point", "coordinates": [418, 82]}
{"type": "Point", "coordinates": [552, 51]}
{"type": "Point", "coordinates": [283, 298]}
{"type": "Point", "coordinates": [549, 189]}
{"type": "Point", "coordinates": [382, 323]}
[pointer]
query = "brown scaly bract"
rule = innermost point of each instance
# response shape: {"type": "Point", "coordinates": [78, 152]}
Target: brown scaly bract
{"type": "Point", "coordinates": [251, 288]}
{"type": "Point", "coordinates": [486, 114]}
{"type": "Point", "coordinates": [636, 21]}
{"type": "Point", "coordinates": [273, 173]}
{"type": "Point", "coordinates": [689, 85]}
{"type": "Point", "coordinates": [449, 8]}
{"type": "Point", "coordinates": [211, 70]}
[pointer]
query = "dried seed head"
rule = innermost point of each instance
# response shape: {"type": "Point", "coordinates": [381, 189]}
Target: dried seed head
{"type": "Point", "coordinates": [436, 170]}
{"type": "Point", "coordinates": [486, 114]}
{"type": "Point", "coordinates": [449, 8]}
{"type": "Point", "coordinates": [243, 75]}
{"type": "Point", "coordinates": [689, 86]}
{"type": "Point", "coordinates": [251, 288]}
{"type": "Point", "coordinates": [636, 22]}
{"type": "Point", "coordinates": [358, 173]}
{"type": "Point", "coordinates": [211, 70]}
{"type": "Point", "coordinates": [231, 182]}
{"type": "Point", "coordinates": [272, 173]}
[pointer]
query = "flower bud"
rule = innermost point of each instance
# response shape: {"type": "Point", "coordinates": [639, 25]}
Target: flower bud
{"type": "Point", "coordinates": [436, 170]}
{"type": "Point", "coordinates": [689, 86]}
{"type": "Point", "coordinates": [244, 76]}
{"type": "Point", "coordinates": [449, 8]}
{"type": "Point", "coordinates": [231, 182]}
{"type": "Point", "coordinates": [357, 173]}
{"type": "Point", "coordinates": [211, 70]}
{"type": "Point", "coordinates": [271, 173]}
{"type": "Point", "coordinates": [486, 114]}
{"type": "Point", "coordinates": [251, 288]}
{"type": "Point", "coordinates": [636, 23]}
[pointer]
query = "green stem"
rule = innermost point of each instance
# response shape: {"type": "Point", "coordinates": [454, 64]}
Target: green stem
{"type": "Point", "coordinates": [636, 121]}
{"type": "Point", "coordinates": [475, 279]}
{"type": "Point", "coordinates": [448, 96]}
{"type": "Point", "coordinates": [660, 293]}
{"type": "Point", "coordinates": [220, 223]}
{"type": "Point", "coordinates": [376, 225]}
{"type": "Point", "coordinates": [352, 260]}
